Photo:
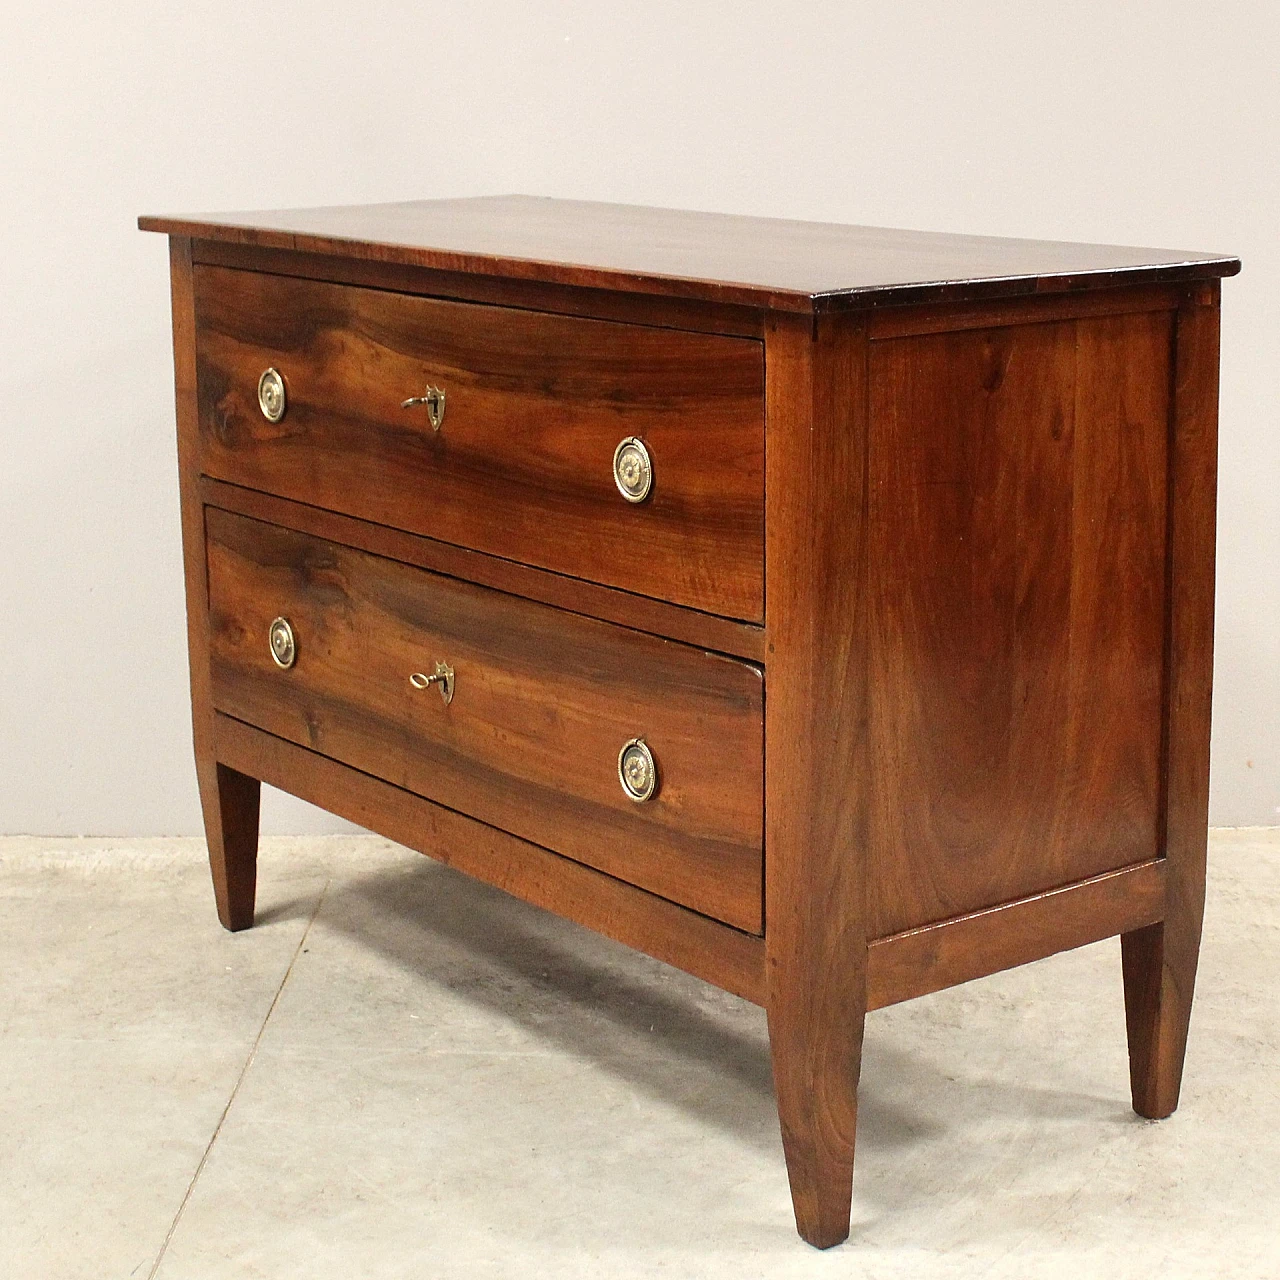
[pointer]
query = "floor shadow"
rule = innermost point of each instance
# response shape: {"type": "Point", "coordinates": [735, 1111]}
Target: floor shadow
{"type": "Point", "coordinates": [662, 1031]}
{"type": "Point", "coordinates": [292, 910]}
{"type": "Point", "coordinates": [666, 1033]}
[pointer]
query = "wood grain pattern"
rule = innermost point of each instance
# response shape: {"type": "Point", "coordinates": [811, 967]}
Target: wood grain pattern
{"type": "Point", "coordinates": [657, 617]}
{"type": "Point", "coordinates": [985, 515]}
{"type": "Point", "coordinates": [229, 800]}
{"type": "Point", "coordinates": [718, 258]}
{"type": "Point", "coordinates": [816, 783]}
{"type": "Point", "coordinates": [544, 703]}
{"type": "Point", "coordinates": [535, 407]}
{"type": "Point", "coordinates": [528, 295]}
{"type": "Point", "coordinates": [714, 952]}
{"type": "Point", "coordinates": [1160, 961]}
{"type": "Point", "coordinates": [915, 321]}
{"type": "Point", "coordinates": [918, 961]}
{"type": "Point", "coordinates": [1017, 509]}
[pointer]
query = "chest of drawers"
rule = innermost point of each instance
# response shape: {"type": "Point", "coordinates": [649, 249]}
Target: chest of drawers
{"type": "Point", "coordinates": [826, 611]}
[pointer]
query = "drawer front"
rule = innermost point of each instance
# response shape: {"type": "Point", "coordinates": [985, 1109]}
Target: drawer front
{"type": "Point", "coordinates": [523, 462]}
{"type": "Point", "coordinates": [542, 704]}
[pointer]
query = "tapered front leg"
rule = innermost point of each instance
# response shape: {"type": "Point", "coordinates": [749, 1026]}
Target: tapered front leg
{"type": "Point", "coordinates": [1159, 979]}
{"type": "Point", "coordinates": [816, 752]}
{"type": "Point", "coordinates": [1160, 961]}
{"type": "Point", "coordinates": [815, 1035]}
{"type": "Point", "coordinates": [230, 801]}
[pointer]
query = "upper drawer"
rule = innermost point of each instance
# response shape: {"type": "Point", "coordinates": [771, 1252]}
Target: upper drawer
{"type": "Point", "coordinates": [522, 465]}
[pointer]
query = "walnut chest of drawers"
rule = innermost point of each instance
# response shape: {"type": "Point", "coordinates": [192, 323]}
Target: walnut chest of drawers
{"type": "Point", "coordinates": [826, 611]}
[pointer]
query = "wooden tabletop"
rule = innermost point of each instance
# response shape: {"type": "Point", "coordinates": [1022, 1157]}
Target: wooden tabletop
{"type": "Point", "coordinates": [759, 262]}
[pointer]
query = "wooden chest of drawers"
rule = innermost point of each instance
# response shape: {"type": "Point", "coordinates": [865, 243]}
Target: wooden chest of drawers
{"type": "Point", "coordinates": [824, 610]}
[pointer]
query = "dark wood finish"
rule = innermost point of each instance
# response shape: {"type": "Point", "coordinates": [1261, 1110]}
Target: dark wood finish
{"type": "Point", "coordinates": [658, 617]}
{"type": "Point", "coordinates": [901, 967]}
{"type": "Point", "coordinates": [1017, 526]}
{"type": "Point", "coordinates": [710, 257]}
{"type": "Point", "coordinates": [919, 961]}
{"type": "Point", "coordinates": [954, 494]}
{"type": "Point", "coordinates": [714, 952]}
{"type": "Point", "coordinates": [816, 782]}
{"type": "Point", "coordinates": [528, 295]}
{"type": "Point", "coordinates": [535, 407]}
{"type": "Point", "coordinates": [1160, 960]}
{"type": "Point", "coordinates": [229, 800]}
{"type": "Point", "coordinates": [910, 322]}
{"type": "Point", "coordinates": [544, 702]}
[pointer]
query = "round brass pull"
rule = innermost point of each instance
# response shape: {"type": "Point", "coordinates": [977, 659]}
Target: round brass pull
{"type": "Point", "coordinates": [434, 400]}
{"type": "Point", "coordinates": [443, 677]}
{"type": "Point", "coordinates": [632, 469]}
{"type": "Point", "coordinates": [637, 770]}
{"type": "Point", "coordinates": [271, 398]}
{"type": "Point", "coordinates": [284, 649]}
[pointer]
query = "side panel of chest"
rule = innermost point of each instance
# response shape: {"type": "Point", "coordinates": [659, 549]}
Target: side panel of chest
{"type": "Point", "coordinates": [1017, 519]}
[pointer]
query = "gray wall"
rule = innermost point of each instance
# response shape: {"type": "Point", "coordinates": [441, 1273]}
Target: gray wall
{"type": "Point", "coordinates": [1140, 124]}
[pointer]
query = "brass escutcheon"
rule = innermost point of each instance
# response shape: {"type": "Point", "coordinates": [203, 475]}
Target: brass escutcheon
{"type": "Point", "coordinates": [434, 400]}
{"type": "Point", "coordinates": [443, 677]}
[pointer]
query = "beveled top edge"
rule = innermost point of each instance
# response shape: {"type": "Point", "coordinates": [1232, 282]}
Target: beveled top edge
{"type": "Point", "coordinates": [770, 263]}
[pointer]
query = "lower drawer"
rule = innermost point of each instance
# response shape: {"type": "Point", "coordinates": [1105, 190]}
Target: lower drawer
{"type": "Point", "coordinates": [541, 704]}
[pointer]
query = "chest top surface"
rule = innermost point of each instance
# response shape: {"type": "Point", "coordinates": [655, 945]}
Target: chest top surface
{"type": "Point", "coordinates": [759, 262]}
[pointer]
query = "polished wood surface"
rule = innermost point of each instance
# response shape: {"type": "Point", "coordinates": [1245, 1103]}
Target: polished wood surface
{"type": "Point", "coordinates": [1006, 313]}
{"type": "Point", "coordinates": [544, 703]}
{"type": "Point", "coordinates": [657, 617]}
{"type": "Point", "coordinates": [229, 799]}
{"type": "Point", "coordinates": [731, 319]}
{"type": "Point", "coordinates": [535, 407]}
{"type": "Point", "coordinates": [715, 952]}
{"type": "Point", "coordinates": [899, 968]}
{"type": "Point", "coordinates": [1017, 524]}
{"type": "Point", "coordinates": [919, 961]}
{"type": "Point", "coordinates": [718, 258]}
{"type": "Point", "coordinates": [817, 781]}
{"type": "Point", "coordinates": [924, 649]}
{"type": "Point", "coordinates": [1160, 961]}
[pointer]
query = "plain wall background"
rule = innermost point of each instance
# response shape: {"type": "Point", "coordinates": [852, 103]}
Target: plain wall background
{"type": "Point", "coordinates": [1151, 124]}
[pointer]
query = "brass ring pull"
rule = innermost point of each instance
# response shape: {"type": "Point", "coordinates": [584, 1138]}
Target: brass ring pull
{"type": "Point", "coordinates": [443, 677]}
{"type": "Point", "coordinates": [284, 648]}
{"type": "Point", "coordinates": [434, 400]}
{"type": "Point", "coordinates": [637, 770]}
{"type": "Point", "coordinates": [271, 396]}
{"type": "Point", "coordinates": [632, 469]}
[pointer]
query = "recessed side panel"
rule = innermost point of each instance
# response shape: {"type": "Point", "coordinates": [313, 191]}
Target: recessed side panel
{"type": "Point", "coordinates": [1017, 508]}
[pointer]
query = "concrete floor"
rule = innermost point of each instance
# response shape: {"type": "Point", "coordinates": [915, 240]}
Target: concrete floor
{"type": "Point", "coordinates": [401, 1073]}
